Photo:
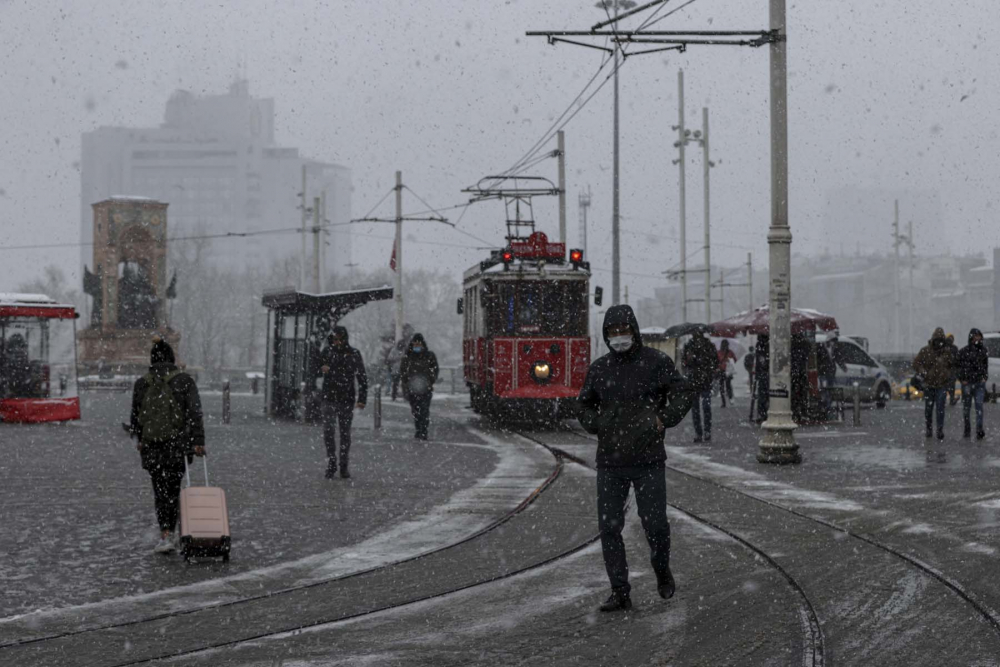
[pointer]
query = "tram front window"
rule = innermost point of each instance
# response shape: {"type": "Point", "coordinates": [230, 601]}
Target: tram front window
{"type": "Point", "coordinates": [541, 309]}
{"type": "Point", "coordinates": [23, 368]}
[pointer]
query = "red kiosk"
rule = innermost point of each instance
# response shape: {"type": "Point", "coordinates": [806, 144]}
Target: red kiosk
{"type": "Point", "coordinates": [37, 359]}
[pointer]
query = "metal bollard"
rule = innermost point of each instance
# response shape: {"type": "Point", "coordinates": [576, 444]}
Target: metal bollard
{"type": "Point", "coordinates": [225, 402]}
{"type": "Point", "coordinates": [377, 407]}
{"type": "Point", "coordinates": [994, 393]}
{"type": "Point", "coordinates": [857, 404]}
{"type": "Point", "coordinates": [453, 390]}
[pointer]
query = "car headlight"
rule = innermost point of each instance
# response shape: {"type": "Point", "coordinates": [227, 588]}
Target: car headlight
{"type": "Point", "coordinates": [542, 371]}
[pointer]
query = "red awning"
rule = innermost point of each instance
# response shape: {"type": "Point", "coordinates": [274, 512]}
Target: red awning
{"type": "Point", "coordinates": [757, 322]}
{"type": "Point", "coordinates": [32, 310]}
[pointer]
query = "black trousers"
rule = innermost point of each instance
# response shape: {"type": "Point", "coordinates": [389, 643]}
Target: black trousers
{"type": "Point", "coordinates": [420, 406]}
{"type": "Point", "coordinates": [338, 416]}
{"type": "Point", "coordinates": [650, 486]}
{"type": "Point", "coordinates": [166, 473]}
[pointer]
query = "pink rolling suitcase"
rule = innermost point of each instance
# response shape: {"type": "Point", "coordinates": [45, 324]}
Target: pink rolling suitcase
{"type": "Point", "coordinates": [204, 519]}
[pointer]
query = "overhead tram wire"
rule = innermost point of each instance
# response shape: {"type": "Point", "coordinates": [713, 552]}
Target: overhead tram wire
{"type": "Point", "coordinates": [453, 225]}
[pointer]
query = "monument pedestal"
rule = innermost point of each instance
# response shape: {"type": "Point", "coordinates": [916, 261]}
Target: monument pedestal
{"type": "Point", "coordinates": [120, 351]}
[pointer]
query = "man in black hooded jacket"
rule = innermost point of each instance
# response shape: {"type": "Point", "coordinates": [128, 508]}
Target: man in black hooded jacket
{"type": "Point", "coordinates": [341, 366]}
{"type": "Point", "coordinates": [629, 399]}
{"type": "Point", "coordinates": [418, 372]}
{"type": "Point", "coordinates": [973, 370]}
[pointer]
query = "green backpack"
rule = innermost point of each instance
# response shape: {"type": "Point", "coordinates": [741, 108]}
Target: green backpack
{"type": "Point", "coordinates": [161, 415]}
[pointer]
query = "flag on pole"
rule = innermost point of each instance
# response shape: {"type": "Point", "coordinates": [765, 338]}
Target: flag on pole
{"type": "Point", "coordinates": [392, 260]}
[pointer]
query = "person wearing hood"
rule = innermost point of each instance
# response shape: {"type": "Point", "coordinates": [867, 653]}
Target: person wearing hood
{"type": "Point", "coordinates": [341, 367]}
{"type": "Point", "coordinates": [630, 397]}
{"type": "Point", "coordinates": [954, 377]}
{"type": "Point", "coordinates": [701, 360]}
{"type": "Point", "coordinates": [167, 421]}
{"type": "Point", "coordinates": [973, 369]}
{"type": "Point", "coordinates": [418, 372]}
{"type": "Point", "coordinates": [935, 364]}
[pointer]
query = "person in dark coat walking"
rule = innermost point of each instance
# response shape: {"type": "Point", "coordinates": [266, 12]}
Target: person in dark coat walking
{"type": "Point", "coordinates": [630, 397]}
{"type": "Point", "coordinates": [954, 377]}
{"type": "Point", "coordinates": [973, 370]}
{"type": "Point", "coordinates": [167, 421]}
{"type": "Point", "coordinates": [341, 367]}
{"type": "Point", "coordinates": [762, 376]}
{"type": "Point", "coordinates": [935, 363]}
{"type": "Point", "coordinates": [418, 372]}
{"type": "Point", "coordinates": [725, 375]}
{"type": "Point", "coordinates": [701, 360]}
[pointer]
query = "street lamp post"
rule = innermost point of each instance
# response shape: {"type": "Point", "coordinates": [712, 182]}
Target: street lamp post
{"type": "Point", "coordinates": [777, 443]}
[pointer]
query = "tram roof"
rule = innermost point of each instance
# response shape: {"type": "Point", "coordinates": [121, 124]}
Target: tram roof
{"type": "Point", "coordinates": [13, 304]}
{"type": "Point", "coordinates": [522, 270]}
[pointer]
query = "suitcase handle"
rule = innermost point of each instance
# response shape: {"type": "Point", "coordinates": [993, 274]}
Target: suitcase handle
{"type": "Point", "coordinates": [187, 471]}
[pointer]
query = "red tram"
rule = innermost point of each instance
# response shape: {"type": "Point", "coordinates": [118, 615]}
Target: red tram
{"type": "Point", "coordinates": [37, 359]}
{"type": "Point", "coordinates": [526, 344]}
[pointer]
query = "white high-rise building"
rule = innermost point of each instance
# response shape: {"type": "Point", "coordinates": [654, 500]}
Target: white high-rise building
{"type": "Point", "coordinates": [215, 162]}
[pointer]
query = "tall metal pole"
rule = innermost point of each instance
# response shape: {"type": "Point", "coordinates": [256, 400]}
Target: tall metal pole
{"type": "Point", "coordinates": [397, 291]}
{"type": "Point", "coordinates": [584, 203]}
{"type": "Point", "coordinates": [305, 214]}
{"type": "Point", "coordinates": [615, 219]}
{"type": "Point", "coordinates": [683, 226]}
{"type": "Point", "coordinates": [749, 282]}
{"type": "Point", "coordinates": [708, 243]}
{"type": "Point", "coordinates": [562, 186]}
{"type": "Point", "coordinates": [322, 245]}
{"type": "Point", "coordinates": [777, 443]}
{"type": "Point", "coordinates": [315, 232]}
{"type": "Point", "coordinates": [909, 245]}
{"type": "Point", "coordinates": [897, 334]}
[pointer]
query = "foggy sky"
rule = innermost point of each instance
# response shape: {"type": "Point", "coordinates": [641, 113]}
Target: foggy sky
{"type": "Point", "coordinates": [890, 96]}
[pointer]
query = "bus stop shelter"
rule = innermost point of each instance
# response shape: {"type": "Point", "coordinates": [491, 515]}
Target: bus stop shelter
{"type": "Point", "coordinates": [297, 326]}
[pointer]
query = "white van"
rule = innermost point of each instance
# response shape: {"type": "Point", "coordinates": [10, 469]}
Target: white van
{"type": "Point", "coordinates": [872, 377]}
{"type": "Point", "coordinates": [992, 343]}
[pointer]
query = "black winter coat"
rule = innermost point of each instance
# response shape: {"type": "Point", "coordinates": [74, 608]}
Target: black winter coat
{"type": "Point", "coordinates": [346, 366]}
{"type": "Point", "coordinates": [701, 361]}
{"type": "Point", "coordinates": [973, 364]}
{"type": "Point", "coordinates": [623, 395]}
{"type": "Point", "coordinates": [186, 394]}
{"type": "Point", "coordinates": [419, 368]}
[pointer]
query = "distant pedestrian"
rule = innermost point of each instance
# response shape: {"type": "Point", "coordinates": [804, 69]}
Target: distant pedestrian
{"type": "Point", "coordinates": [973, 369]}
{"type": "Point", "coordinates": [167, 420]}
{"type": "Point", "coordinates": [935, 363]}
{"type": "Point", "coordinates": [828, 359]}
{"type": "Point", "coordinates": [342, 367]}
{"type": "Point", "coordinates": [630, 397]}
{"type": "Point", "coordinates": [701, 360]}
{"type": "Point", "coordinates": [395, 358]}
{"type": "Point", "coordinates": [954, 377]}
{"type": "Point", "coordinates": [419, 371]}
{"type": "Point", "coordinates": [727, 361]}
{"type": "Point", "coordinates": [762, 376]}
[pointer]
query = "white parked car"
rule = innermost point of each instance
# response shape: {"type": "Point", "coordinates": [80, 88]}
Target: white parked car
{"type": "Point", "coordinates": [872, 377]}
{"type": "Point", "coordinates": [992, 343]}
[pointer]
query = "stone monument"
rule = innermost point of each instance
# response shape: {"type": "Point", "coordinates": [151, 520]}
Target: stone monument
{"type": "Point", "coordinates": [128, 285]}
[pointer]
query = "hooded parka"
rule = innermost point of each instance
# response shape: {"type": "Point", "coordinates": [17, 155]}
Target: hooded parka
{"type": "Point", "coordinates": [973, 364]}
{"type": "Point", "coordinates": [623, 395]}
{"type": "Point", "coordinates": [346, 366]}
{"type": "Point", "coordinates": [936, 361]}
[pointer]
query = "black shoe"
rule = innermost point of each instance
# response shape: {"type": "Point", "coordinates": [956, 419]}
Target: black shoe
{"type": "Point", "coordinates": [708, 438]}
{"type": "Point", "coordinates": [331, 471]}
{"type": "Point", "coordinates": [980, 435]}
{"type": "Point", "coordinates": [617, 602]}
{"type": "Point", "coordinates": [697, 439]}
{"type": "Point", "coordinates": [665, 585]}
{"type": "Point", "coordinates": [966, 433]}
{"type": "Point", "coordinates": [344, 473]}
{"type": "Point", "coordinates": [940, 435]}
{"type": "Point", "coordinates": [928, 433]}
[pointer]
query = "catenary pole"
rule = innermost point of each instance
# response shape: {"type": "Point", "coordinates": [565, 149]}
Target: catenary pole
{"type": "Point", "coordinates": [708, 242]}
{"type": "Point", "coordinates": [315, 231]}
{"type": "Point", "coordinates": [896, 324]}
{"type": "Point", "coordinates": [322, 245]}
{"type": "Point", "coordinates": [909, 245]}
{"type": "Point", "coordinates": [305, 214]}
{"type": "Point", "coordinates": [562, 186]}
{"type": "Point", "coordinates": [777, 443]}
{"type": "Point", "coordinates": [681, 140]}
{"type": "Point", "coordinates": [615, 209]}
{"type": "Point", "coordinates": [397, 292]}
{"type": "Point", "coordinates": [749, 282]}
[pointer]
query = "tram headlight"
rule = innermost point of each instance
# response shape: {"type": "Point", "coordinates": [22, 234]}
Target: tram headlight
{"type": "Point", "coordinates": [542, 371]}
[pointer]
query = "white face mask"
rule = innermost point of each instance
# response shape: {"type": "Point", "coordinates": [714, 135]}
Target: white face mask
{"type": "Point", "coordinates": [620, 343]}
